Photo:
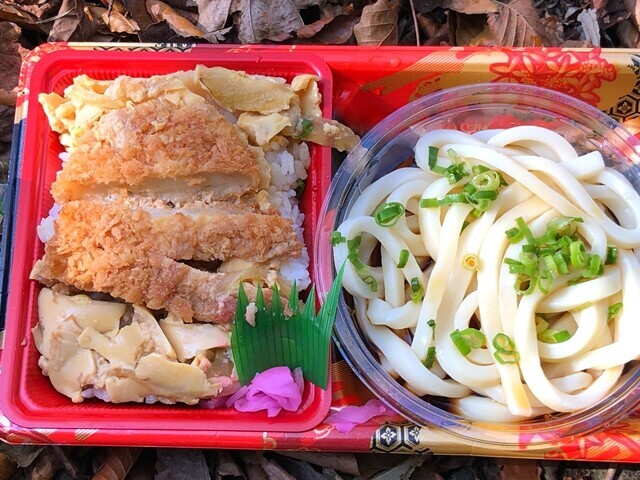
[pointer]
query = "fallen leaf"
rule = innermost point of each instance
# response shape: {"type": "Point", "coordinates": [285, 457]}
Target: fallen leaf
{"type": "Point", "coordinates": [181, 4]}
{"type": "Point", "coordinates": [274, 471]}
{"type": "Point", "coordinates": [517, 24]}
{"type": "Point", "coordinates": [628, 34]}
{"type": "Point", "coordinates": [471, 30]}
{"type": "Point", "coordinates": [75, 22]}
{"type": "Point", "coordinates": [118, 23]}
{"type": "Point", "coordinates": [212, 16]}
{"type": "Point", "coordinates": [23, 455]}
{"type": "Point", "coordinates": [302, 4]}
{"type": "Point", "coordinates": [177, 464]}
{"type": "Point", "coordinates": [7, 466]}
{"type": "Point", "coordinates": [161, 12]}
{"type": "Point", "coordinates": [428, 26]}
{"type": "Point", "coordinates": [138, 13]}
{"type": "Point", "coordinates": [10, 59]}
{"type": "Point", "coordinates": [11, 13]}
{"type": "Point", "coordinates": [378, 24]}
{"type": "Point", "coordinates": [262, 19]}
{"type": "Point", "coordinates": [117, 463]}
{"type": "Point", "coordinates": [476, 7]}
{"type": "Point", "coordinates": [589, 22]}
{"type": "Point", "coordinates": [312, 29]}
{"type": "Point", "coordinates": [338, 32]}
{"type": "Point", "coordinates": [520, 469]}
{"type": "Point", "coordinates": [633, 8]}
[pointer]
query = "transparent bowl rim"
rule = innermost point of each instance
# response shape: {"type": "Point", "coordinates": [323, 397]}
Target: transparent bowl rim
{"type": "Point", "coordinates": [538, 434]}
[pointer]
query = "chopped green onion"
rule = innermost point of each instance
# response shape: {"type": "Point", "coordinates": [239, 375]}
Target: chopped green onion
{"type": "Point", "coordinates": [578, 254]}
{"type": "Point", "coordinates": [514, 235]}
{"type": "Point", "coordinates": [299, 188]}
{"type": "Point", "coordinates": [486, 181]}
{"type": "Point", "coordinates": [387, 214]}
{"type": "Point", "coordinates": [484, 195]}
{"type": "Point", "coordinates": [404, 258]}
{"type": "Point", "coordinates": [506, 357]}
{"type": "Point", "coordinates": [433, 157]}
{"type": "Point", "coordinates": [417, 292]}
{"type": "Point", "coordinates": [354, 243]}
{"type": "Point", "coordinates": [525, 284]}
{"type": "Point", "coordinates": [503, 343]}
{"type": "Point", "coordinates": [363, 270]}
{"type": "Point", "coordinates": [306, 127]}
{"type": "Point", "coordinates": [562, 336]}
{"type": "Point", "coordinates": [560, 226]}
{"type": "Point", "coordinates": [553, 336]}
{"type": "Point", "coordinates": [432, 324]}
{"type": "Point", "coordinates": [428, 203]}
{"type": "Point", "coordinates": [541, 324]}
{"type": "Point", "coordinates": [612, 255]}
{"type": "Point", "coordinates": [524, 228]}
{"type": "Point", "coordinates": [431, 356]}
{"type": "Point", "coordinates": [596, 268]}
{"type": "Point", "coordinates": [336, 238]}
{"type": "Point", "coordinates": [471, 262]}
{"type": "Point", "coordinates": [460, 342]}
{"type": "Point", "coordinates": [614, 310]}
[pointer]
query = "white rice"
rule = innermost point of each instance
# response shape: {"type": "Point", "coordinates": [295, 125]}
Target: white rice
{"type": "Point", "coordinates": [287, 167]}
{"type": "Point", "coordinates": [46, 228]}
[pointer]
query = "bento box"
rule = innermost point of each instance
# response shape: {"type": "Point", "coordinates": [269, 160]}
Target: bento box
{"type": "Point", "coordinates": [27, 397]}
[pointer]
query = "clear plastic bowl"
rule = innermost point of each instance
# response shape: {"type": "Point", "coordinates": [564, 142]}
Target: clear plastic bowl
{"type": "Point", "coordinates": [389, 144]}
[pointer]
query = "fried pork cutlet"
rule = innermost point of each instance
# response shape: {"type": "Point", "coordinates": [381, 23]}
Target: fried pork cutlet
{"type": "Point", "coordinates": [152, 280]}
{"type": "Point", "coordinates": [131, 252]}
{"type": "Point", "coordinates": [216, 231]}
{"type": "Point", "coordinates": [186, 151]}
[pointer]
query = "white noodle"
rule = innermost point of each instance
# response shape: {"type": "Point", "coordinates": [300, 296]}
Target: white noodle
{"type": "Point", "coordinates": [547, 178]}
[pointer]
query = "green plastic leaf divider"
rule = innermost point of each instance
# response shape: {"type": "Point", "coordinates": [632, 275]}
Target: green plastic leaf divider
{"type": "Point", "coordinates": [298, 340]}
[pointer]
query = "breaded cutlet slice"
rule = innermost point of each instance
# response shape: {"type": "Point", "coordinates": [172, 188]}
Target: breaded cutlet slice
{"type": "Point", "coordinates": [154, 281]}
{"type": "Point", "coordinates": [216, 231]}
{"type": "Point", "coordinates": [162, 149]}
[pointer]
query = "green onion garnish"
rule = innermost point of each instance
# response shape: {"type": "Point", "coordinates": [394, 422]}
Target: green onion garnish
{"type": "Point", "coordinates": [541, 324]}
{"type": "Point", "coordinates": [614, 310]}
{"type": "Point", "coordinates": [468, 339]}
{"type": "Point", "coordinates": [431, 356]}
{"type": "Point", "coordinates": [553, 336]}
{"type": "Point", "coordinates": [306, 127]}
{"type": "Point", "coordinates": [612, 255]}
{"type": "Point", "coordinates": [417, 291]}
{"type": "Point", "coordinates": [432, 324]}
{"type": "Point", "coordinates": [387, 214]}
{"type": "Point", "coordinates": [433, 157]}
{"type": "Point", "coordinates": [555, 253]}
{"type": "Point", "coordinates": [486, 181]}
{"type": "Point", "coordinates": [404, 258]}
{"type": "Point", "coordinates": [336, 238]}
{"type": "Point", "coordinates": [506, 357]}
{"type": "Point", "coordinates": [503, 343]}
{"type": "Point", "coordinates": [363, 270]}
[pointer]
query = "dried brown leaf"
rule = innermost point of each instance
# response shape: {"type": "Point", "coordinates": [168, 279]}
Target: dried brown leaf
{"type": "Point", "coordinates": [45, 466]}
{"type": "Point", "coordinates": [118, 23]}
{"type": "Point", "coordinates": [23, 455]}
{"type": "Point", "coordinates": [633, 8]}
{"type": "Point", "coordinates": [378, 24]}
{"type": "Point", "coordinates": [160, 12]}
{"type": "Point", "coordinates": [628, 34]}
{"type": "Point", "coordinates": [7, 467]}
{"type": "Point", "coordinates": [342, 462]}
{"type": "Point", "coordinates": [76, 21]}
{"type": "Point", "coordinates": [308, 31]}
{"type": "Point", "coordinates": [302, 4]}
{"type": "Point", "coordinates": [117, 463]}
{"type": "Point", "coordinates": [176, 464]}
{"type": "Point", "coordinates": [10, 59]}
{"type": "Point", "coordinates": [338, 32]}
{"type": "Point", "coordinates": [274, 471]}
{"type": "Point", "coordinates": [476, 7]}
{"type": "Point", "coordinates": [137, 11]}
{"type": "Point", "coordinates": [14, 13]}
{"type": "Point", "coordinates": [518, 468]}
{"type": "Point", "coordinates": [428, 26]}
{"type": "Point", "coordinates": [212, 16]}
{"type": "Point", "coordinates": [469, 30]}
{"type": "Point", "coordinates": [262, 19]}
{"type": "Point", "coordinates": [517, 24]}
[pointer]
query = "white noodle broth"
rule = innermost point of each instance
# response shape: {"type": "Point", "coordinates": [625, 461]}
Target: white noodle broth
{"type": "Point", "coordinates": [502, 272]}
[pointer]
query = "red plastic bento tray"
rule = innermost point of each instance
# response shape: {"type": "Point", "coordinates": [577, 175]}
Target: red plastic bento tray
{"type": "Point", "coordinates": [27, 398]}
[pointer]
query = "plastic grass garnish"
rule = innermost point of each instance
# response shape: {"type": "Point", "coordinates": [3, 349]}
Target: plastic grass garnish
{"type": "Point", "coordinates": [300, 340]}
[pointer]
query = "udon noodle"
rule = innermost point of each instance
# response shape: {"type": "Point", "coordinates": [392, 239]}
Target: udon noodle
{"type": "Point", "coordinates": [502, 272]}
